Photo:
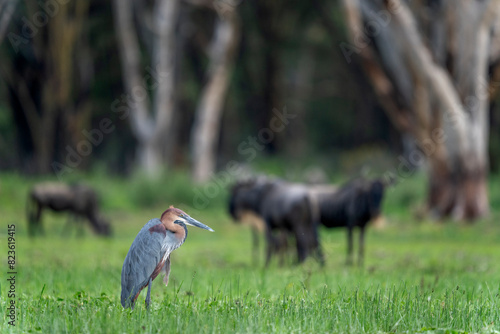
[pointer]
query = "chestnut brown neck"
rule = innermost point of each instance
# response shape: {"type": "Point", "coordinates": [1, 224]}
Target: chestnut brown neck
{"type": "Point", "coordinates": [168, 219]}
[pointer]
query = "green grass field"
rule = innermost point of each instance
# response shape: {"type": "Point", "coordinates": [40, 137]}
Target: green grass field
{"type": "Point", "coordinates": [419, 277]}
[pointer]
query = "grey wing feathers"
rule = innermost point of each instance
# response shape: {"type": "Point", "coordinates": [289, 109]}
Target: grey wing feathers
{"type": "Point", "coordinates": [142, 258]}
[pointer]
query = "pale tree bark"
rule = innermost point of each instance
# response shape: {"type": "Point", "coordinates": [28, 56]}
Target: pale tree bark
{"type": "Point", "coordinates": [150, 118]}
{"type": "Point", "coordinates": [429, 67]}
{"type": "Point", "coordinates": [205, 131]}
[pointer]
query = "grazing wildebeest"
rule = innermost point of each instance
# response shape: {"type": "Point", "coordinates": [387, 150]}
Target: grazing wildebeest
{"type": "Point", "coordinates": [353, 205]}
{"type": "Point", "coordinates": [285, 208]}
{"type": "Point", "coordinates": [78, 199]}
{"type": "Point", "coordinates": [257, 226]}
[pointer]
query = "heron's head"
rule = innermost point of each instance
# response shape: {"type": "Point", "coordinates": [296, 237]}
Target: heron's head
{"type": "Point", "coordinates": [177, 216]}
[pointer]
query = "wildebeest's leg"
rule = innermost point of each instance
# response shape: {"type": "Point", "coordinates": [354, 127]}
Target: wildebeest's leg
{"type": "Point", "coordinates": [303, 228]}
{"type": "Point", "coordinates": [361, 255]}
{"type": "Point", "coordinates": [271, 243]}
{"type": "Point", "coordinates": [80, 222]}
{"type": "Point", "coordinates": [30, 214]}
{"type": "Point", "coordinates": [67, 227]}
{"type": "Point", "coordinates": [317, 248]}
{"type": "Point", "coordinates": [282, 246]}
{"type": "Point", "coordinates": [38, 218]}
{"type": "Point", "coordinates": [349, 244]}
{"type": "Point", "coordinates": [255, 246]}
{"type": "Point", "coordinates": [303, 244]}
{"type": "Point", "coordinates": [92, 215]}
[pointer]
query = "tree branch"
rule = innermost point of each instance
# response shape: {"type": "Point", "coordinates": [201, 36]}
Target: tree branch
{"type": "Point", "coordinates": [382, 84]}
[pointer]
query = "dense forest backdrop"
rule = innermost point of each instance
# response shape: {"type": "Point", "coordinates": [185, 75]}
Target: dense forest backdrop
{"type": "Point", "coordinates": [125, 85]}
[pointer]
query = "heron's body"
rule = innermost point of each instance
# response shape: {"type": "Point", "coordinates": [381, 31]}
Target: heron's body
{"type": "Point", "coordinates": [150, 253]}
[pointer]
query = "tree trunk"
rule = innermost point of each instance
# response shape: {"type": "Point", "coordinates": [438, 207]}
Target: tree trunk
{"type": "Point", "coordinates": [269, 17]}
{"type": "Point", "coordinates": [205, 131]}
{"type": "Point", "coordinates": [462, 195]}
{"type": "Point", "coordinates": [150, 119]}
{"type": "Point", "coordinates": [149, 155]}
{"type": "Point", "coordinates": [300, 89]}
{"type": "Point", "coordinates": [429, 68]}
{"type": "Point", "coordinates": [43, 81]}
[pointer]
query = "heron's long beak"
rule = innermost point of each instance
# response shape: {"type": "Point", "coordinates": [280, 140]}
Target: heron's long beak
{"type": "Point", "coordinates": [194, 222]}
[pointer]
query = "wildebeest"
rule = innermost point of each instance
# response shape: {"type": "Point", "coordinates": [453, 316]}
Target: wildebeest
{"type": "Point", "coordinates": [285, 208]}
{"type": "Point", "coordinates": [258, 228]}
{"type": "Point", "coordinates": [353, 205]}
{"type": "Point", "coordinates": [77, 199]}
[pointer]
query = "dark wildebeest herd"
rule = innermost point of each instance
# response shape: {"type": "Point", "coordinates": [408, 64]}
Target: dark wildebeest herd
{"type": "Point", "coordinates": [79, 200]}
{"type": "Point", "coordinates": [285, 208]}
{"type": "Point", "coordinates": [297, 210]}
{"type": "Point", "coordinates": [281, 210]}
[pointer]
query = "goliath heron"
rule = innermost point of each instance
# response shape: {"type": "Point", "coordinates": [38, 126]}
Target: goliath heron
{"type": "Point", "coordinates": [150, 253]}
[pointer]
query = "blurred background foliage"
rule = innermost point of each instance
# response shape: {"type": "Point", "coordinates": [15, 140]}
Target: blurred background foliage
{"type": "Point", "coordinates": [288, 57]}
{"type": "Point", "coordinates": [336, 110]}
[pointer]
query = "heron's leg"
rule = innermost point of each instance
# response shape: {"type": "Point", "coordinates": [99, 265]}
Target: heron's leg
{"type": "Point", "coordinates": [148, 296]}
{"type": "Point", "coordinates": [132, 304]}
